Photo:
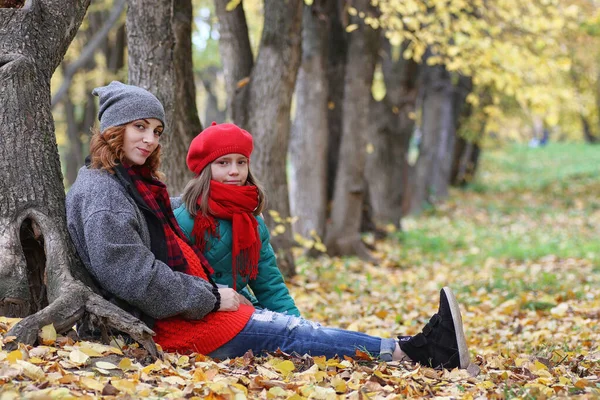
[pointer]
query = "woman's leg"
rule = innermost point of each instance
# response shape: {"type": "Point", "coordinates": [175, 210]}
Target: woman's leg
{"type": "Point", "coordinates": [269, 331]}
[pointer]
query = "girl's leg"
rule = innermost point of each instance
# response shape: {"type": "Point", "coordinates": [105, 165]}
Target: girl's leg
{"type": "Point", "coordinates": [269, 331]}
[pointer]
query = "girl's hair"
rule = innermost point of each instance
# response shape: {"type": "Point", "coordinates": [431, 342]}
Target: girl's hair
{"type": "Point", "coordinates": [199, 188]}
{"type": "Point", "coordinates": [106, 151]}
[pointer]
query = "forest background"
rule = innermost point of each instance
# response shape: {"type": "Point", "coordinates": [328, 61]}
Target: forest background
{"type": "Point", "coordinates": [414, 95]}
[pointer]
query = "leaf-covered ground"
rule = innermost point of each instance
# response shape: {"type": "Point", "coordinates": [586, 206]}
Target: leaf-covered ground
{"type": "Point", "coordinates": [520, 247]}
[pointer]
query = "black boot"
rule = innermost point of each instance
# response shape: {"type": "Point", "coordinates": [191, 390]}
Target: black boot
{"type": "Point", "coordinates": [441, 343]}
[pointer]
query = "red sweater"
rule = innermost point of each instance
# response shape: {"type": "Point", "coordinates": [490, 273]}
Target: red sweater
{"type": "Point", "coordinates": [205, 335]}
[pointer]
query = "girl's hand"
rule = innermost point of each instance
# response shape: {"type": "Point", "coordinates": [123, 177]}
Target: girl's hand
{"type": "Point", "coordinates": [230, 299]}
{"type": "Point", "coordinates": [244, 300]}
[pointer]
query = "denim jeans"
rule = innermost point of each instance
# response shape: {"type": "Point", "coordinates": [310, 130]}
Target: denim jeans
{"type": "Point", "coordinates": [268, 331]}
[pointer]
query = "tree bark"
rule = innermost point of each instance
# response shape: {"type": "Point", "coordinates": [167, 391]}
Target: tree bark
{"type": "Point", "coordinates": [212, 112]}
{"type": "Point", "coordinates": [432, 170]}
{"type": "Point", "coordinates": [158, 62]}
{"type": "Point", "coordinates": [587, 131]}
{"type": "Point", "coordinates": [268, 104]}
{"type": "Point", "coordinates": [387, 166]}
{"type": "Point", "coordinates": [187, 122]}
{"type": "Point", "coordinates": [308, 142]}
{"type": "Point", "coordinates": [337, 53]}
{"type": "Point", "coordinates": [343, 231]}
{"type": "Point", "coordinates": [260, 98]}
{"type": "Point", "coordinates": [33, 41]}
{"type": "Point", "coordinates": [236, 56]}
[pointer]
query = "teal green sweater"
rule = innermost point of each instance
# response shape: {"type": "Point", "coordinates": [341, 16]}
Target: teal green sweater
{"type": "Point", "coordinates": [268, 287]}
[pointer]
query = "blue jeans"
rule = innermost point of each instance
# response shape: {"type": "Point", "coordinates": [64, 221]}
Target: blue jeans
{"type": "Point", "coordinates": [268, 331]}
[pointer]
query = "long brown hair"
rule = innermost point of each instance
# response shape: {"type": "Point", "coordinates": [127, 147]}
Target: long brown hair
{"type": "Point", "coordinates": [106, 151]}
{"type": "Point", "coordinates": [199, 188]}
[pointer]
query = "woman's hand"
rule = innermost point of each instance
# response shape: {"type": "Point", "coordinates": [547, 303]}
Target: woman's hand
{"type": "Point", "coordinates": [230, 299]}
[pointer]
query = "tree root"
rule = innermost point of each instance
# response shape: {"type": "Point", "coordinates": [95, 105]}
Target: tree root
{"type": "Point", "coordinates": [69, 308]}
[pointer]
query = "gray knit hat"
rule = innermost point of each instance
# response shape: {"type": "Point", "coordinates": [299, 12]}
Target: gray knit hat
{"type": "Point", "coordinates": [121, 103]}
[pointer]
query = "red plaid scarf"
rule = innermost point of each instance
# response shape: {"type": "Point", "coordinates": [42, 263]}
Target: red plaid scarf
{"type": "Point", "coordinates": [155, 195]}
{"type": "Point", "coordinates": [234, 203]}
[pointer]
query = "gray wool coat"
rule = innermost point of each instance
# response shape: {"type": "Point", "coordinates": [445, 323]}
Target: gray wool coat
{"type": "Point", "coordinates": [111, 235]}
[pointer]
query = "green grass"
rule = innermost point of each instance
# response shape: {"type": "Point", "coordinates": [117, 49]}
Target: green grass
{"type": "Point", "coordinates": [525, 204]}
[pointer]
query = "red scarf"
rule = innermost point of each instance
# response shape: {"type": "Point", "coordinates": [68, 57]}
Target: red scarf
{"type": "Point", "coordinates": [234, 203]}
{"type": "Point", "coordinates": [155, 195]}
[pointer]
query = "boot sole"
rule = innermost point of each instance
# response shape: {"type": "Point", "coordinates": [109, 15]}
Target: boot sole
{"type": "Point", "coordinates": [461, 340]}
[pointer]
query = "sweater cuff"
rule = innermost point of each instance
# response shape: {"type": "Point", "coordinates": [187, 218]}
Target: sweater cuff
{"type": "Point", "coordinates": [215, 291]}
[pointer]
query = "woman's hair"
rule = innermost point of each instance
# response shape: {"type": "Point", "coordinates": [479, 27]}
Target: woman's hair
{"type": "Point", "coordinates": [199, 188]}
{"type": "Point", "coordinates": [106, 151]}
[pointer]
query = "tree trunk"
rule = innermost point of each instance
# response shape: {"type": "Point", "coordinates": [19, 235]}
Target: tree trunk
{"type": "Point", "coordinates": [587, 131]}
{"type": "Point", "coordinates": [268, 102]}
{"type": "Point", "coordinates": [432, 170]}
{"type": "Point", "coordinates": [39, 269]}
{"type": "Point", "coordinates": [187, 123]}
{"type": "Point", "coordinates": [160, 61]}
{"type": "Point", "coordinates": [308, 143]}
{"type": "Point", "coordinates": [260, 99]}
{"type": "Point", "coordinates": [343, 231]}
{"type": "Point", "coordinates": [236, 56]}
{"type": "Point", "coordinates": [337, 52]}
{"type": "Point", "coordinates": [212, 112]}
{"type": "Point", "coordinates": [393, 130]}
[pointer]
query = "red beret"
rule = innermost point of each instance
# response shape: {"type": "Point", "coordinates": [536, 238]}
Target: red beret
{"type": "Point", "coordinates": [216, 141]}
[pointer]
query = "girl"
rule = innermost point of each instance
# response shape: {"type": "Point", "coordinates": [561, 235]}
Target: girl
{"type": "Point", "coordinates": [220, 215]}
{"type": "Point", "coordinates": [120, 220]}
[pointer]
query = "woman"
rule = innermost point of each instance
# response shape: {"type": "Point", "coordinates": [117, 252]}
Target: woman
{"type": "Point", "coordinates": [121, 222]}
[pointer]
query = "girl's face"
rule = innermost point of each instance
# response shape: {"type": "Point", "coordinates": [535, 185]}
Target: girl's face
{"type": "Point", "coordinates": [230, 169]}
{"type": "Point", "coordinates": [141, 139]}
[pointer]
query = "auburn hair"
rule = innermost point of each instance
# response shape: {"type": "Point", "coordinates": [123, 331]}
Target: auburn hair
{"type": "Point", "coordinates": [106, 151]}
{"type": "Point", "coordinates": [199, 189]}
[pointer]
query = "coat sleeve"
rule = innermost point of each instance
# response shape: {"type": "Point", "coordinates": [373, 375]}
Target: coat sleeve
{"type": "Point", "coordinates": [269, 286]}
{"type": "Point", "coordinates": [127, 268]}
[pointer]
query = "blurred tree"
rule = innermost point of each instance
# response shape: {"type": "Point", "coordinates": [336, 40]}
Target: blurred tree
{"type": "Point", "coordinates": [259, 99]}
{"type": "Point", "coordinates": [308, 143]}
{"type": "Point", "coordinates": [41, 276]}
{"type": "Point", "coordinates": [393, 118]}
{"type": "Point", "coordinates": [93, 42]}
{"type": "Point", "coordinates": [160, 60]}
{"type": "Point", "coordinates": [343, 230]}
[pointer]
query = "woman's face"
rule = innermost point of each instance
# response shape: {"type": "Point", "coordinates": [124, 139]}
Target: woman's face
{"type": "Point", "coordinates": [230, 169]}
{"type": "Point", "coordinates": [141, 139]}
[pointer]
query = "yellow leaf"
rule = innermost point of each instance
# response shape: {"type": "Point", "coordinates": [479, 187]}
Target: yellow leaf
{"type": "Point", "coordinates": [91, 383]}
{"type": "Point", "coordinates": [78, 357]}
{"type": "Point", "coordinates": [125, 364]}
{"type": "Point", "coordinates": [174, 380]}
{"type": "Point", "coordinates": [285, 367]}
{"type": "Point", "coordinates": [48, 334]}
{"type": "Point", "coordinates": [320, 247]}
{"type": "Point", "coordinates": [88, 351]}
{"type": "Point", "coordinates": [124, 385]}
{"type": "Point", "coordinates": [339, 385]}
{"type": "Point", "coordinates": [232, 5]}
{"type": "Point", "coordinates": [243, 82]}
{"type": "Point", "coordinates": [537, 366]}
{"type": "Point", "coordinates": [331, 105]}
{"type": "Point", "coordinates": [351, 28]}
{"type": "Point", "coordinates": [352, 11]}
{"type": "Point", "coordinates": [13, 356]}
{"type": "Point", "coordinates": [106, 365]}
{"type": "Point", "coordinates": [31, 371]}
{"type": "Point", "coordinates": [308, 2]}
{"type": "Point", "coordinates": [199, 376]}
{"type": "Point", "coordinates": [279, 229]}
{"type": "Point", "coordinates": [370, 148]}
